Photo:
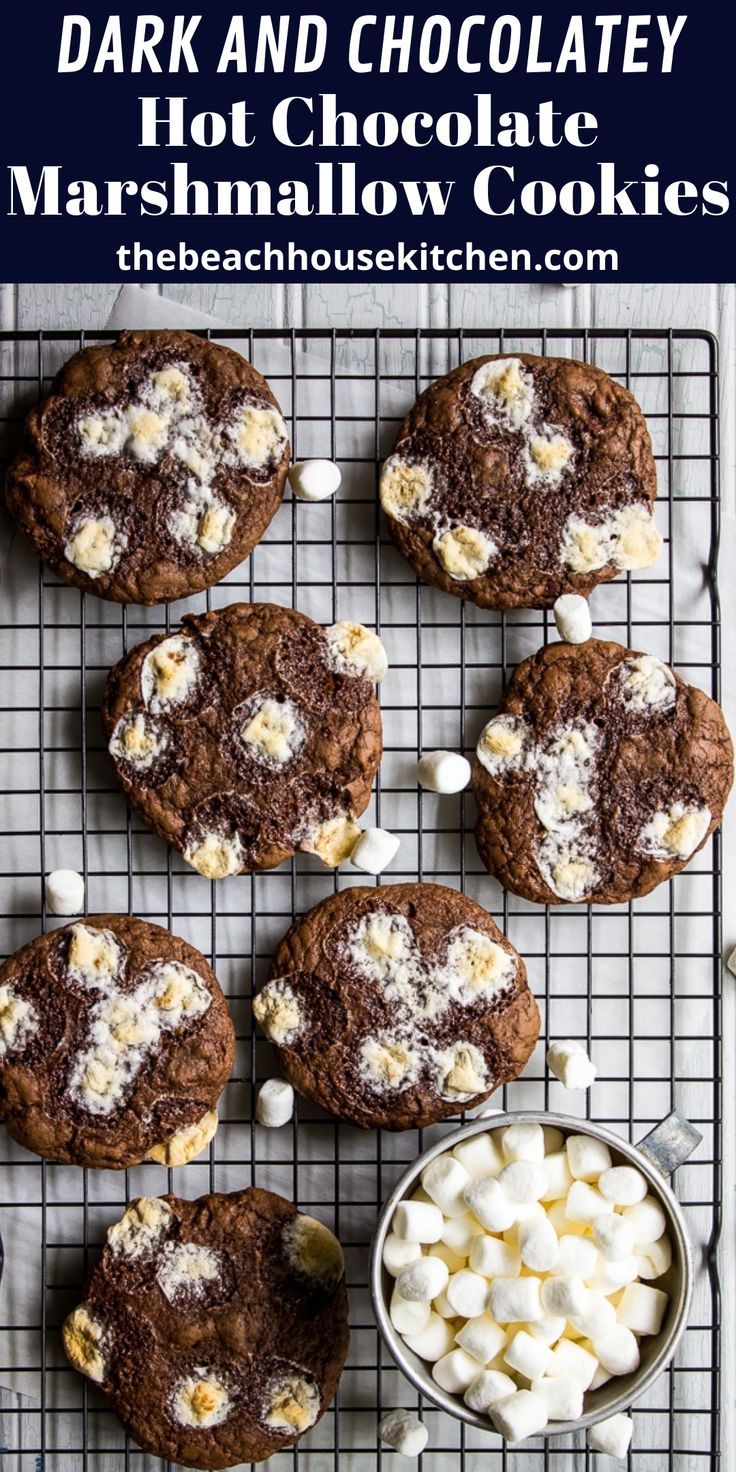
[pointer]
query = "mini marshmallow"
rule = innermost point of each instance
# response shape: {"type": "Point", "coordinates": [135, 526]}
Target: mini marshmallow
{"type": "Point", "coordinates": [64, 892]}
{"type": "Point", "coordinates": [275, 1103]}
{"type": "Point", "coordinates": [479, 1155]}
{"type": "Point", "coordinates": [538, 1244]}
{"type": "Point", "coordinates": [558, 1176]}
{"type": "Point", "coordinates": [613, 1236]}
{"type": "Point", "coordinates": [523, 1180]}
{"type": "Point", "coordinates": [647, 1221]}
{"type": "Point", "coordinates": [421, 1282]}
{"type": "Point", "coordinates": [527, 1355]}
{"type": "Point", "coordinates": [571, 1064]}
{"type": "Point", "coordinates": [520, 1415]}
{"type": "Point", "coordinates": [554, 1140]}
{"type": "Point", "coordinates": [490, 1204]}
{"type": "Point", "coordinates": [515, 1300]}
{"type": "Point", "coordinates": [482, 1337]}
{"type": "Point", "coordinates": [597, 1317]}
{"type": "Point", "coordinates": [642, 1308]}
{"type": "Point", "coordinates": [445, 1180]}
{"type": "Point", "coordinates": [523, 1142]}
{"type": "Point", "coordinates": [397, 1255]}
{"type": "Point", "coordinates": [314, 480]}
{"type": "Point", "coordinates": [452, 1260]}
{"type": "Point", "coordinates": [622, 1185]}
{"type": "Point", "coordinates": [399, 1429]}
{"type": "Point", "coordinates": [456, 1371]}
{"type": "Point", "coordinates": [494, 1258]}
{"type": "Point", "coordinates": [572, 1362]}
{"type": "Point", "coordinates": [613, 1436]}
{"type": "Point", "coordinates": [418, 1221]}
{"type": "Point", "coordinates": [601, 1377]}
{"type": "Point", "coordinates": [557, 1215]}
{"type": "Point", "coordinates": [610, 1276]}
{"type": "Point", "coordinates": [374, 850]}
{"type": "Point", "coordinates": [434, 1341]}
{"type": "Point", "coordinates": [459, 1233]}
{"type": "Point", "coordinates": [617, 1350]}
{"type": "Point", "coordinates": [655, 1259]}
{"type": "Point", "coordinates": [731, 962]}
{"type": "Point", "coordinates": [407, 1318]}
{"type": "Point", "coordinates": [487, 1388]}
{"type": "Point", "coordinates": [443, 771]}
{"type": "Point", "coordinates": [563, 1397]}
{"type": "Point", "coordinates": [576, 1255]}
{"type": "Point", "coordinates": [467, 1292]}
{"type": "Point", "coordinates": [572, 617]}
{"type": "Point", "coordinates": [564, 1297]}
{"type": "Point", "coordinates": [585, 1204]}
{"type": "Point", "coordinates": [587, 1157]}
{"type": "Point", "coordinates": [548, 1329]}
{"type": "Point", "coordinates": [443, 1307]}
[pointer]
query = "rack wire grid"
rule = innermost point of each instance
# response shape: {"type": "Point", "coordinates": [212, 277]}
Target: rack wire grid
{"type": "Point", "coordinates": [638, 984]}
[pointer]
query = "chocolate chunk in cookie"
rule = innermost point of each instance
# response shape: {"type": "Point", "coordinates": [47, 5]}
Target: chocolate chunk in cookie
{"type": "Point", "coordinates": [398, 1006]}
{"type": "Point", "coordinates": [250, 734]}
{"type": "Point", "coordinates": [601, 776]}
{"type": "Point", "coordinates": [515, 479]}
{"type": "Point", "coordinates": [216, 1327]}
{"type": "Point", "coordinates": [115, 1045]}
{"type": "Point", "coordinates": [152, 469]}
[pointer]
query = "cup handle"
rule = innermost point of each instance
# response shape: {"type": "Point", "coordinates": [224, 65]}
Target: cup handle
{"type": "Point", "coordinates": [670, 1143]}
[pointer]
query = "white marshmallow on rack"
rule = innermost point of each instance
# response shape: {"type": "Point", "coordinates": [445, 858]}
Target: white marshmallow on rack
{"type": "Point", "coordinates": [487, 1388]}
{"type": "Point", "coordinates": [275, 1103]}
{"type": "Point", "coordinates": [423, 1280]}
{"type": "Point", "coordinates": [654, 1259]}
{"type": "Point", "coordinates": [482, 1337]}
{"type": "Point", "coordinates": [452, 1260]}
{"type": "Point", "coordinates": [562, 1396]}
{"type": "Point", "coordinates": [576, 1255]}
{"type": "Point", "coordinates": [647, 1221]}
{"type": "Point", "coordinates": [538, 1244]}
{"type": "Point", "coordinates": [548, 1329]}
{"type": "Point", "coordinates": [404, 1432]}
{"type": "Point", "coordinates": [570, 1063]}
{"type": "Point", "coordinates": [613, 1236]}
{"type": "Point", "coordinates": [585, 1204]}
{"type": "Point", "coordinates": [407, 1318]}
{"type": "Point", "coordinates": [64, 892]}
{"type": "Point", "coordinates": [623, 1185]}
{"type": "Point", "coordinates": [597, 1317]}
{"type": "Point", "coordinates": [523, 1180]}
{"type": "Point", "coordinates": [492, 1257]}
{"type": "Point", "coordinates": [527, 1355]}
{"type": "Point", "coordinates": [515, 1300]}
{"type": "Point", "coordinates": [480, 1155]}
{"type": "Point", "coordinates": [374, 850]}
{"type": "Point", "coordinates": [445, 1180]}
{"type": "Point", "coordinates": [731, 962]}
{"type": "Point", "coordinates": [612, 1436]}
{"type": "Point", "coordinates": [467, 1292]}
{"type": "Point", "coordinates": [490, 1204]}
{"type": "Point", "coordinates": [564, 1297]}
{"type": "Point", "coordinates": [617, 1350]}
{"type": "Point", "coordinates": [459, 1232]}
{"type": "Point", "coordinates": [587, 1157]}
{"type": "Point", "coordinates": [314, 480]}
{"type": "Point", "coordinates": [523, 1142]}
{"type": "Point", "coordinates": [443, 771]}
{"type": "Point", "coordinates": [609, 1277]}
{"type": "Point", "coordinates": [418, 1221]}
{"type": "Point", "coordinates": [573, 1362]}
{"type": "Point", "coordinates": [397, 1255]}
{"type": "Point", "coordinates": [436, 1339]}
{"type": "Point", "coordinates": [519, 1415]}
{"type": "Point", "coordinates": [456, 1371]}
{"type": "Point", "coordinates": [572, 617]}
{"type": "Point", "coordinates": [558, 1176]}
{"type": "Point", "coordinates": [642, 1308]}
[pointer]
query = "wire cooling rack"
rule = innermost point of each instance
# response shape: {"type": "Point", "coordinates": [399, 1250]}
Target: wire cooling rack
{"type": "Point", "coordinates": [639, 985]}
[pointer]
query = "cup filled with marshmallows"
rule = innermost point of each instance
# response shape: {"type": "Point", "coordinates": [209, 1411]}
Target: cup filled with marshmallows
{"type": "Point", "coordinates": [532, 1274]}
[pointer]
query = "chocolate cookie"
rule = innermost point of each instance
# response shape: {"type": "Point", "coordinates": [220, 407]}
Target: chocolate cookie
{"type": "Point", "coordinates": [115, 1045]}
{"type": "Point", "coordinates": [248, 735]}
{"type": "Point", "coordinates": [601, 776]}
{"type": "Point", "coordinates": [217, 1327]}
{"type": "Point", "coordinates": [153, 467]}
{"type": "Point", "coordinates": [398, 1006]}
{"type": "Point", "coordinates": [516, 479]}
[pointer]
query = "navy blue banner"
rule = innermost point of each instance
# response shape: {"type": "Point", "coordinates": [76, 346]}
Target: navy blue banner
{"type": "Point", "coordinates": [535, 144]}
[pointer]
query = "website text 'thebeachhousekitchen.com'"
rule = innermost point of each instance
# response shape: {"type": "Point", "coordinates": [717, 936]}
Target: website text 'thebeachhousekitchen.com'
{"type": "Point", "coordinates": [400, 259]}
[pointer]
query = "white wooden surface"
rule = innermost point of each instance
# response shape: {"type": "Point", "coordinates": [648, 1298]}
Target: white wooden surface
{"type": "Point", "coordinates": [709, 306]}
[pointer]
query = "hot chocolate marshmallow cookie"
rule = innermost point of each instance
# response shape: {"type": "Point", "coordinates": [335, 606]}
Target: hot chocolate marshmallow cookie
{"type": "Point", "coordinates": [398, 1006]}
{"type": "Point", "coordinates": [601, 776]}
{"type": "Point", "coordinates": [115, 1045]}
{"type": "Point", "coordinates": [516, 478]}
{"type": "Point", "coordinates": [153, 467]}
{"type": "Point", "coordinates": [250, 734]}
{"type": "Point", "coordinates": [217, 1327]}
